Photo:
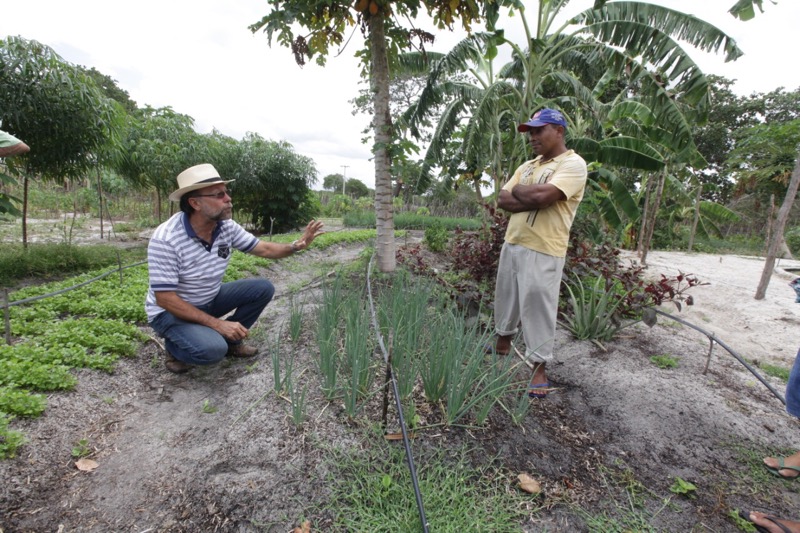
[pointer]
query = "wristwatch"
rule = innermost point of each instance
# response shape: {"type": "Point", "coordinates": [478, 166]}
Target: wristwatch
{"type": "Point", "coordinates": [295, 248]}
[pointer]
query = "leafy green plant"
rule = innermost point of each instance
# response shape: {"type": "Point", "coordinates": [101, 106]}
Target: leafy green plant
{"type": "Point", "coordinates": [81, 449]}
{"type": "Point", "coordinates": [10, 440]}
{"type": "Point", "coordinates": [664, 361]}
{"type": "Point", "coordinates": [327, 326]}
{"type": "Point", "coordinates": [21, 403]}
{"type": "Point", "coordinates": [208, 407]}
{"type": "Point", "coordinates": [436, 236]}
{"type": "Point", "coordinates": [683, 487]}
{"type": "Point", "coordinates": [521, 407]}
{"type": "Point", "coordinates": [402, 314]}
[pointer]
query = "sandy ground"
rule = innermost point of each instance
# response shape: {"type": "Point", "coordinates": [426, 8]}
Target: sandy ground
{"type": "Point", "coordinates": [765, 329]}
{"type": "Point", "coordinates": [166, 465]}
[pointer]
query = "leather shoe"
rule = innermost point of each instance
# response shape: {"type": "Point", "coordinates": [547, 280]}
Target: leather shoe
{"type": "Point", "coordinates": [240, 350]}
{"type": "Point", "coordinates": [175, 366]}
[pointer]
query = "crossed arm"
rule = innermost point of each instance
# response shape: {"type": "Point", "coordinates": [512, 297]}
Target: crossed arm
{"type": "Point", "coordinates": [528, 197]}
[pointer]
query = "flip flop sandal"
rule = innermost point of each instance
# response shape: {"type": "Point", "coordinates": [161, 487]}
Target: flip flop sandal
{"type": "Point", "coordinates": [782, 466]}
{"type": "Point", "coordinates": [534, 393]}
{"type": "Point", "coordinates": [762, 529]}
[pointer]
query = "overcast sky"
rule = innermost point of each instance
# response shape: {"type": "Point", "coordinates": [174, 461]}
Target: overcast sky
{"type": "Point", "coordinates": [198, 57]}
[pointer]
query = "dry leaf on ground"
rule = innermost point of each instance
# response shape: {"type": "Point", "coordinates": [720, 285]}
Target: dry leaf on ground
{"type": "Point", "coordinates": [86, 465]}
{"type": "Point", "coordinates": [528, 484]}
{"type": "Point", "coordinates": [305, 527]}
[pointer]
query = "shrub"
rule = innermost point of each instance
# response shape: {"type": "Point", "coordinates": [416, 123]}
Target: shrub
{"type": "Point", "coordinates": [793, 240]}
{"type": "Point", "coordinates": [436, 237]}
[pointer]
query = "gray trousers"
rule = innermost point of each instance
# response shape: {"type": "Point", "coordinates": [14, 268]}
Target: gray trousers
{"type": "Point", "coordinates": [526, 296]}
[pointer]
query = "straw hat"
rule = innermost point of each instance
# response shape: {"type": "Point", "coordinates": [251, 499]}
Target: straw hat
{"type": "Point", "coordinates": [196, 177]}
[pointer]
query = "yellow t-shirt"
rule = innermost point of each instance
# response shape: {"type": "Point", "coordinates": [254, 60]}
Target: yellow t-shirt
{"type": "Point", "coordinates": [547, 230]}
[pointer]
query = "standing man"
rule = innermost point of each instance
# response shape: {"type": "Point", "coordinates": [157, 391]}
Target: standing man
{"type": "Point", "coordinates": [187, 257]}
{"type": "Point", "coordinates": [10, 145]}
{"type": "Point", "coordinates": [543, 196]}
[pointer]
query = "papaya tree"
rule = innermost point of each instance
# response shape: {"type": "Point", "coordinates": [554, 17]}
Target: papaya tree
{"type": "Point", "coordinates": [326, 23]}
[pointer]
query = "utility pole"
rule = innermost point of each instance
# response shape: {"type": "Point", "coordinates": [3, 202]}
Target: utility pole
{"type": "Point", "coordinates": [344, 177]}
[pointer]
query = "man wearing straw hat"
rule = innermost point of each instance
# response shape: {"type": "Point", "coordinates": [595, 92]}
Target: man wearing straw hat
{"type": "Point", "coordinates": [187, 258]}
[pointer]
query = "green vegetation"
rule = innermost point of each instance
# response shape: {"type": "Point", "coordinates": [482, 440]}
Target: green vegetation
{"type": "Point", "coordinates": [48, 261]}
{"type": "Point", "coordinates": [208, 407]}
{"type": "Point", "coordinates": [436, 237]}
{"type": "Point", "coordinates": [594, 309]}
{"type": "Point", "coordinates": [775, 371]}
{"type": "Point", "coordinates": [683, 488]}
{"type": "Point", "coordinates": [664, 361]}
{"type": "Point", "coordinates": [369, 484]}
{"type": "Point", "coordinates": [91, 326]}
{"type": "Point", "coordinates": [81, 449]}
{"type": "Point", "coordinates": [433, 341]}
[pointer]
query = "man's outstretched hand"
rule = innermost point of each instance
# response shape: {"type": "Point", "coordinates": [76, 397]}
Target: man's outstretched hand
{"type": "Point", "coordinates": [313, 229]}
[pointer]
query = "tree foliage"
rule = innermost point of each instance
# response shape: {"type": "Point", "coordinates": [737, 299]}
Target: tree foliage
{"type": "Point", "coordinates": [55, 107]}
{"type": "Point", "coordinates": [273, 183]}
{"type": "Point", "coordinates": [327, 22]}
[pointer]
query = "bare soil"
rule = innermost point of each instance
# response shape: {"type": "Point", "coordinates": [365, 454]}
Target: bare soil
{"type": "Point", "coordinates": [616, 420]}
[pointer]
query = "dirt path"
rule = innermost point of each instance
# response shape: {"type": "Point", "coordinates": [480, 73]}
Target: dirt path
{"type": "Point", "coordinates": [167, 463]}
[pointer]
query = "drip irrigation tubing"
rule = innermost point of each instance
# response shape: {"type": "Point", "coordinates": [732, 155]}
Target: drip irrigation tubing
{"type": "Point", "coordinates": [714, 339]}
{"type": "Point", "coordinates": [403, 429]}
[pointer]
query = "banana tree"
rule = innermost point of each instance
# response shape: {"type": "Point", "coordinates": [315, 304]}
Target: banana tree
{"type": "Point", "coordinates": [630, 91]}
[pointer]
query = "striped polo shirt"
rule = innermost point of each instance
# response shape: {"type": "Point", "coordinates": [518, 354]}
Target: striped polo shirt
{"type": "Point", "coordinates": [180, 261]}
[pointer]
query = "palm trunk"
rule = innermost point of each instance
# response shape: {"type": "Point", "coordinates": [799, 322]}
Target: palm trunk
{"type": "Point", "coordinates": [696, 217]}
{"type": "Point", "coordinates": [651, 224]}
{"type": "Point", "coordinates": [382, 124]}
{"type": "Point", "coordinates": [777, 233]}
{"type": "Point", "coordinates": [648, 189]}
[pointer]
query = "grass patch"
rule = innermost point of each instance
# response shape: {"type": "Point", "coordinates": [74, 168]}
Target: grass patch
{"type": "Point", "coordinates": [371, 490]}
{"type": "Point", "coordinates": [57, 260]}
{"type": "Point", "coordinates": [664, 361]}
{"type": "Point", "coordinates": [775, 371]}
{"type": "Point", "coordinates": [755, 481]}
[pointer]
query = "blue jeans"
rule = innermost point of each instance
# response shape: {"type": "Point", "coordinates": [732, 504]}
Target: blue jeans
{"type": "Point", "coordinates": [200, 345]}
{"type": "Point", "coordinates": [793, 389]}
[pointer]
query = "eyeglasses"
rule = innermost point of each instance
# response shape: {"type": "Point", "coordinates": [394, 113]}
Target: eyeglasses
{"type": "Point", "coordinates": [218, 195]}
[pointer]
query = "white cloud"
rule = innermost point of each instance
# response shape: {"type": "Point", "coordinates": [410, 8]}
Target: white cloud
{"type": "Point", "coordinates": [200, 58]}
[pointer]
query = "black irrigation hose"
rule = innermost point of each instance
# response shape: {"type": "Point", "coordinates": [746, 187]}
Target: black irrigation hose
{"type": "Point", "coordinates": [403, 429]}
{"type": "Point", "coordinates": [739, 358]}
